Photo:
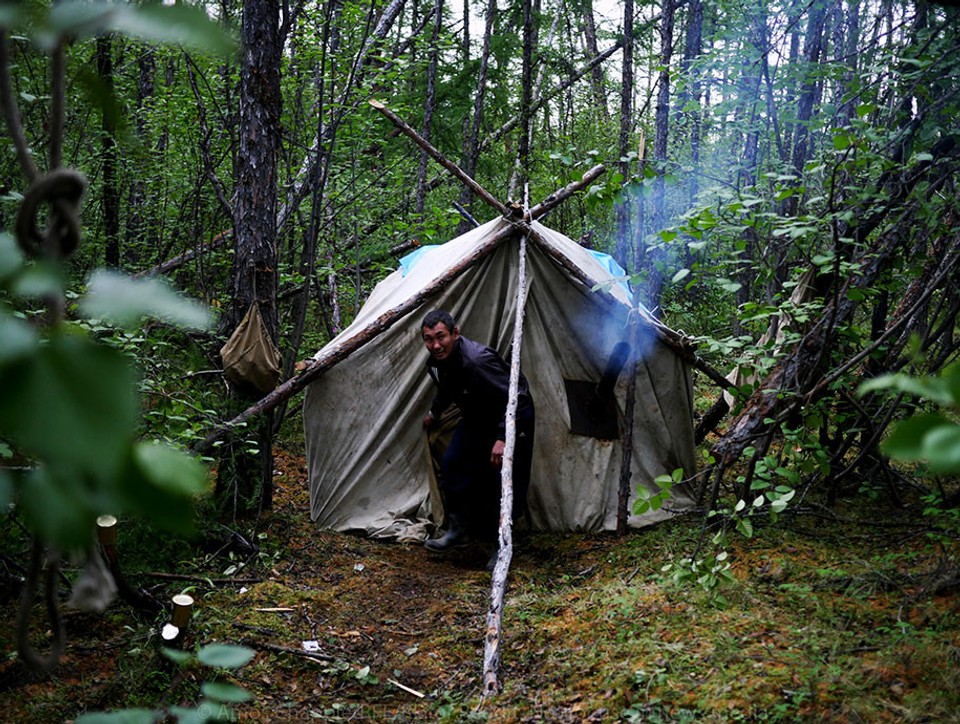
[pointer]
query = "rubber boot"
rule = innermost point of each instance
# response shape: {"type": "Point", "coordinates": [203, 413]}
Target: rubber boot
{"type": "Point", "coordinates": [455, 535]}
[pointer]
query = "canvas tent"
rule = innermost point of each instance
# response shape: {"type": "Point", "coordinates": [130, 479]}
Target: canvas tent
{"type": "Point", "coordinates": [366, 452]}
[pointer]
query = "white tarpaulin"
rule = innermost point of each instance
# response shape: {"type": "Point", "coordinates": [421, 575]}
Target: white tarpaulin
{"type": "Point", "coordinates": [366, 452]}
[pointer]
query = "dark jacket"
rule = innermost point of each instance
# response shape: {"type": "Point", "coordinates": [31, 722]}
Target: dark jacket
{"type": "Point", "coordinates": [476, 378]}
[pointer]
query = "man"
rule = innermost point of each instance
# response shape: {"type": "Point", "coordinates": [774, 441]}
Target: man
{"type": "Point", "coordinates": [476, 379]}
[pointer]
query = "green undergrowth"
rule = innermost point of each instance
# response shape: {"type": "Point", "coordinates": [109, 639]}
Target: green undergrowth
{"type": "Point", "coordinates": [824, 621]}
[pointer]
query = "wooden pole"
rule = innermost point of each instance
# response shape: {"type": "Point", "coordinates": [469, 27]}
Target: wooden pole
{"type": "Point", "coordinates": [317, 366]}
{"type": "Point", "coordinates": [441, 159]}
{"type": "Point", "coordinates": [626, 435]}
{"type": "Point", "coordinates": [491, 655]}
{"type": "Point", "coordinates": [558, 197]}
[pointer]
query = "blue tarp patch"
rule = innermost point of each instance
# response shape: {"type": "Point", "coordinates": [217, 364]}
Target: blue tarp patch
{"type": "Point", "coordinates": [409, 261]}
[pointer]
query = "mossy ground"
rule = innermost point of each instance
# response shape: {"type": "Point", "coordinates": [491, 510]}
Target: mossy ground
{"type": "Point", "coordinates": [826, 621]}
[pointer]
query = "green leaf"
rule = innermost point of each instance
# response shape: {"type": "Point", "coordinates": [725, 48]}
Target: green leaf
{"type": "Point", "coordinates": [225, 692]}
{"type": "Point", "coordinates": [17, 339]}
{"type": "Point", "coordinates": [179, 24]}
{"type": "Point", "coordinates": [71, 404]}
{"type": "Point", "coordinates": [61, 508]}
{"type": "Point", "coordinates": [225, 656]}
{"type": "Point", "coordinates": [941, 448]}
{"type": "Point", "coordinates": [161, 483]}
{"type": "Point", "coordinates": [11, 258]}
{"type": "Point", "coordinates": [778, 506]}
{"type": "Point", "coordinates": [177, 656]}
{"type": "Point", "coordinates": [38, 280]}
{"type": "Point", "coordinates": [936, 389]}
{"type": "Point", "coordinates": [841, 141]}
{"type": "Point", "coordinates": [906, 440]}
{"type": "Point", "coordinates": [124, 301]}
{"type": "Point", "coordinates": [745, 527]}
{"type": "Point", "coordinates": [680, 275]}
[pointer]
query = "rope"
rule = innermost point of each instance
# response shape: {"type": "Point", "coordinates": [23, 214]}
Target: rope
{"type": "Point", "coordinates": [62, 190]}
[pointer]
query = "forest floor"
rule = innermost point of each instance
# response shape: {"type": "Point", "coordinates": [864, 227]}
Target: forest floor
{"type": "Point", "coordinates": [823, 622]}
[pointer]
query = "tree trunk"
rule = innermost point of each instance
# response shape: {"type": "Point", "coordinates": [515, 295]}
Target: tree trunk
{"type": "Point", "coordinates": [255, 231]}
{"type": "Point", "coordinates": [689, 102]}
{"type": "Point", "coordinates": [108, 154]}
{"type": "Point", "coordinates": [136, 225]}
{"type": "Point", "coordinates": [807, 97]}
{"type": "Point", "coordinates": [428, 104]}
{"type": "Point", "coordinates": [593, 50]}
{"type": "Point", "coordinates": [471, 147]}
{"type": "Point", "coordinates": [625, 231]}
{"type": "Point", "coordinates": [662, 129]}
{"type": "Point", "coordinates": [521, 172]}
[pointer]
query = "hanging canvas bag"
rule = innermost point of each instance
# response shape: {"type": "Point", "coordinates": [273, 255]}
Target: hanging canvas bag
{"type": "Point", "coordinates": [250, 358]}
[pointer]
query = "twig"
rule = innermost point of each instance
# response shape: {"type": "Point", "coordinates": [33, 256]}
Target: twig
{"type": "Point", "coordinates": [200, 579]}
{"type": "Point", "coordinates": [312, 655]}
{"type": "Point", "coordinates": [407, 689]}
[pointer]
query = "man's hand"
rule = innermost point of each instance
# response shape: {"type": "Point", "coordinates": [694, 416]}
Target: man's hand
{"type": "Point", "coordinates": [496, 455]}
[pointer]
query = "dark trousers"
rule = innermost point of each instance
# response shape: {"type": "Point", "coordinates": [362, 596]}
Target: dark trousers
{"type": "Point", "coordinates": [471, 485]}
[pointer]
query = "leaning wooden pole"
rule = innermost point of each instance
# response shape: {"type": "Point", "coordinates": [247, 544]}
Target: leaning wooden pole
{"type": "Point", "coordinates": [491, 653]}
{"type": "Point", "coordinates": [629, 414]}
{"type": "Point", "coordinates": [462, 175]}
{"type": "Point", "coordinates": [320, 364]}
{"type": "Point", "coordinates": [558, 197]}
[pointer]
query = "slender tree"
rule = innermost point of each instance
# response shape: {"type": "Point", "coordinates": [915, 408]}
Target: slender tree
{"type": "Point", "coordinates": [255, 231]}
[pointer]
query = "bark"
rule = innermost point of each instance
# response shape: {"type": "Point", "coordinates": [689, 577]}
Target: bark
{"type": "Point", "coordinates": [498, 588]}
{"type": "Point", "coordinates": [593, 50]}
{"type": "Point", "coordinates": [110, 193]}
{"type": "Point", "coordinates": [300, 187]}
{"type": "Point", "coordinates": [807, 96]}
{"type": "Point", "coordinates": [136, 224]}
{"type": "Point", "coordinates": [625, 232]}
{"type": "Point", "coordinates": [176, 262]}
{"type": "Point", "coordinates": [429, 103]}
{"type": "Point", "coordinates": [440, 158]}
{"type": "Point", "coordinates": [662, 128]}
{"type": "Point", "coordinates": [471, 151]}
{"type": "Point", "coordinates": [209, 166]}
{"type": "Point", "coordinates": [255, 234]}
{"type": "Point", "coordinates": [521, 172]}
{"type": "Point", "coordinates": [690, 99]}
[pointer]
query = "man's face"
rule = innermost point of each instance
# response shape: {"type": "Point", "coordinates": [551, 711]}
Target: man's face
{"type": "Point", "coordinates": [439, 340]}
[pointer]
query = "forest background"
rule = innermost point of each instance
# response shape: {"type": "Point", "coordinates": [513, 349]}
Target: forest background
{"type": "Point", "coordinates": [780, 186]}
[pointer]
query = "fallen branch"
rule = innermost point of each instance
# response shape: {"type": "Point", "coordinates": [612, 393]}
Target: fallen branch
{"type": "Point", "coordinates": [170, 264]}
